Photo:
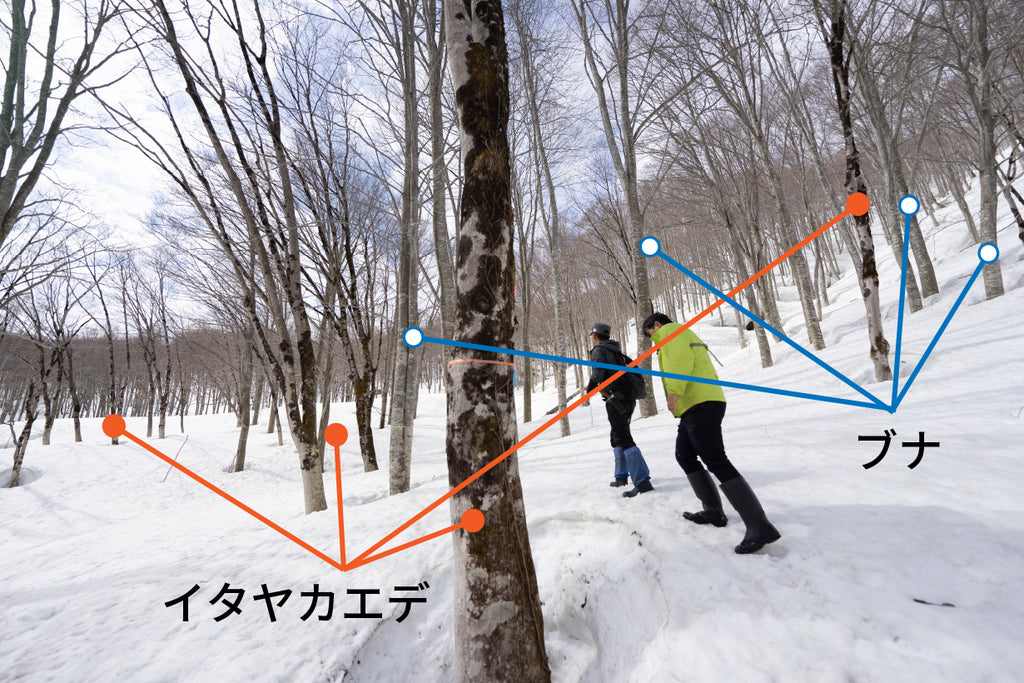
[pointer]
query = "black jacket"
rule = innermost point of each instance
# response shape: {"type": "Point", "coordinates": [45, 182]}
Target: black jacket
{"type": "Point", "coordinates": [605, 352]}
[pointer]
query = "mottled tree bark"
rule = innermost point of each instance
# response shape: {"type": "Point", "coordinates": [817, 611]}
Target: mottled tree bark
{"type": "Point", "coordinates": [499, 634]}
{"type": "Point", "coordinates": [992, 273]}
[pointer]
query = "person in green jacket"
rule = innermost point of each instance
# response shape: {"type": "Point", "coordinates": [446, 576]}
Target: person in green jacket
{"type": "Point", "coordinates": [700, 408]}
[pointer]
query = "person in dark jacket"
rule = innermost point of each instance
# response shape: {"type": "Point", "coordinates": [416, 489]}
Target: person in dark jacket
{"type": "Point", "coordinates": [700, 408]}
{"type": "Point", "coordinates": [629, 461]}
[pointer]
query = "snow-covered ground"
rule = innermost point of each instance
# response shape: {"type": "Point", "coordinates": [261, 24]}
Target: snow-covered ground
{"type": "Point", "coordinates": [882, 574]}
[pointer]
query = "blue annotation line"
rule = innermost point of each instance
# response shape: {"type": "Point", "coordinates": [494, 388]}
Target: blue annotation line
{"type": "Point", "coordinates": [652, 373]}
{"type": "Point", "coordinates": [903, 300]}
{"type": "Point", "coordinates": [945, 323]}
{"type": "Point", "coordinates": [876, 402]}
{"type": "Point", "coordinates": [908, 205]}
{"type": "Point", "coordinates": [649, 246]}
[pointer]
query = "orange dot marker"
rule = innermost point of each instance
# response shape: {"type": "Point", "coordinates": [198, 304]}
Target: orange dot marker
{"type": "Point", "coordinates": [335, 434]}
{"type": "Point", "coordinates": [858, 203]}
{"type": "Point", "coordinates": [113, 426]}
{"type": "Point", "coordinates": [472, 520]}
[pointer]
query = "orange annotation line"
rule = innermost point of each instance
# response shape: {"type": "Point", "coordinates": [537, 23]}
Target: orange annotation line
{"type": "Point", "coordinates": [335, 435]}
{"type": "Point", "coordinates": [472, 521]}
{"type": "Point", "coordinates": [857, 204]}
{"type": "Point", "coordinates": [114, 426]}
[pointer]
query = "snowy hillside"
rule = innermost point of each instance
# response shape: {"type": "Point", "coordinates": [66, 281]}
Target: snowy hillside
{"type": "Point", "coordinates": [882, 574]}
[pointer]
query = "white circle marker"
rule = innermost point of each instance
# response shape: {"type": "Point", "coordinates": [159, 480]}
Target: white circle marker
{"type": "Point", "coordinates": [909, 205]}
{"type": "Point", "coordinates": [650, 246]}
{"type": "Point", "coordinates": [988, 252]}
{"type": "Point", "coordinates": [413, 337]}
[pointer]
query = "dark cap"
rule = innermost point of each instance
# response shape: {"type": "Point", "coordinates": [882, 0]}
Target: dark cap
{"type": "Point", "coordinates": [654, 318]}
{"type": "Point", "coordinates": [602, 329]}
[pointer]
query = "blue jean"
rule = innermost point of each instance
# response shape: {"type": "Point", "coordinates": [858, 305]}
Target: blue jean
{"type": "Point", "coordinates": [621, 472]}
{"type": "Point", "coordinates": [636, 465]}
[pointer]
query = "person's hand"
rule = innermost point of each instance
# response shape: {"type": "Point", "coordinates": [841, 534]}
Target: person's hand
{"type": "Point", "coordinates": [671, 400]}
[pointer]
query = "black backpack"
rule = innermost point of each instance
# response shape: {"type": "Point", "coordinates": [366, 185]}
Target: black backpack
{"type": "Point", "coordinates": [632, 383]}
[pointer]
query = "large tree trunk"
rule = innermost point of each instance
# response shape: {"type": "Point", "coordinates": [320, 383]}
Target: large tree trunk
{"type": "Point", "coordinates": [499, 634]}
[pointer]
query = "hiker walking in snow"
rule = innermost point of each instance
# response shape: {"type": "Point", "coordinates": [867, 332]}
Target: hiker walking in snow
{"type": "Point", "coordinates": [619, 403]}
{"type": "Point", "coordinates": [700, 408]}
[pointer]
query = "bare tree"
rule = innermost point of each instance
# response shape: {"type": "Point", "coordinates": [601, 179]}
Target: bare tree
{"type": "Point", "coordinates": [42, 80]}
{"type": "Point", "coordinates": [388, 37]}
{"type": "Point", "coordinates": [433, 35]}
{"type": "Point", "coordinates": [964, 24]}
{"type": "Point", "coordinates": [31, 410]}
{"type": "Point", "coordinates": [623, 81]}
{"type": "Point", "coordinates": [250, 206]}
{"type": "Point", "coordinates": [537, 49]}
{"type": "Point", "coordinates": [716, 36]}
{"type": "Point", "coordinates": [98, 271]}
{"type": "Point", "coordinates": [832, 22]}
{"type": "Point", "coordinates": [351, 238]}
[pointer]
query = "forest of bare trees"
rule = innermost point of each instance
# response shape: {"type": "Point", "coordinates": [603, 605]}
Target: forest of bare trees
{"type": "Point", "coordinates": [314, 195]}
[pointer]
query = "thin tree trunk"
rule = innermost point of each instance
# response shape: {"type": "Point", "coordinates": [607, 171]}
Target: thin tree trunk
{"type": "Point", "coordinates": [551, 222]}
{"type": "Point", "coordinates": [992, 273]}
{"type": "Point", "coordinates": [244, 390]}
{"type": "Point", "coordinates": [76, 403]}
{"type": "Point", "coordinates": [403, 402]}
{"type": "Point", "coordinates": [834, 35]}
{"type": "Point", "coordinates": [31, 410]}
{"type": "Point", "coordinates": [438, 167]}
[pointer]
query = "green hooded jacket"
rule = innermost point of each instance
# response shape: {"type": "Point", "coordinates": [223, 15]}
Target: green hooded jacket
{"type": "Point", "coordinates": [686, 355]}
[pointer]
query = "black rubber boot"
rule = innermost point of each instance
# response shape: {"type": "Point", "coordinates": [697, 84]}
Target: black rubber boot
{"type": "Point", "coordinates": [706, 493]}
{"type": "Point", "coordinates": [760, 531]}
{"type": "Point", "coordinates": [642, 487]}
{"type": "Point", "coordinates": [620, 481]}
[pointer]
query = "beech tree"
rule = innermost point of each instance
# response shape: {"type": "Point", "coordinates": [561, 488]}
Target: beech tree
{"type": "Point", "coordinates": [499, 633]}
{"type": "Point", "coordinates": [349, 236]}
{"type": "Point", "coordinates": [538, 48]}
{"type": "Point", "coordinates": [716, 37]}
{"type": "Point", "coordinates": [832, 22]}
{"type": "Point", "coordinates": [973, 55]}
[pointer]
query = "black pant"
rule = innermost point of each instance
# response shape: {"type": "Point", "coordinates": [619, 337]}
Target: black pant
{"type": "Point", "coordinates": [700, 435]}
{"type": "Point", "coordinates": [620, 412]}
